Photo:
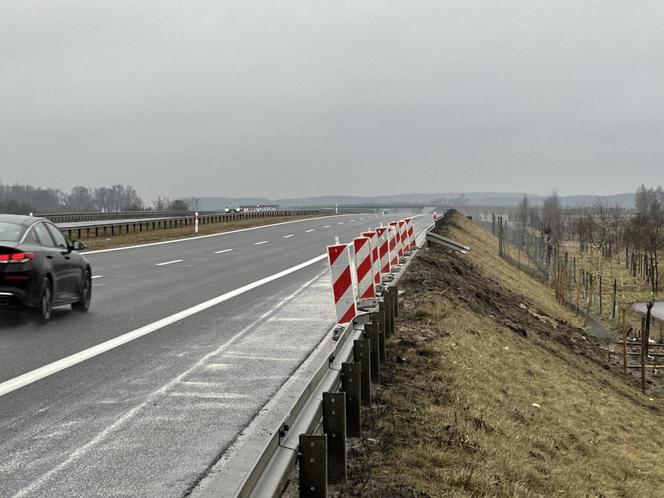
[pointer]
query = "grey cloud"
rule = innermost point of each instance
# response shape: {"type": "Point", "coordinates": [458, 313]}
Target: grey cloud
{"type": "Point", "coordinates": [285, 99]}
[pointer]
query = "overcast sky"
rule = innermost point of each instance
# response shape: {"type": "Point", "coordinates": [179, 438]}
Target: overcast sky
{"type": "Point", "coordinates": [299, 98]}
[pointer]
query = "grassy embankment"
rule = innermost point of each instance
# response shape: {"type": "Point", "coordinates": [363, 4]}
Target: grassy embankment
{"type": "Point", "coordinates": [159, 235]}
{"type": "Point", "coordinates": [493, 389]}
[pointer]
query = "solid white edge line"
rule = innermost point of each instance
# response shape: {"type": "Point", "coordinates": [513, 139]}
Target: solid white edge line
{"type": "Point", "coordinates": [163, 242]}
{"type": "Point", "coordinates": [69, 361]}
{"type": "Point", "coordinates": [168, 262]}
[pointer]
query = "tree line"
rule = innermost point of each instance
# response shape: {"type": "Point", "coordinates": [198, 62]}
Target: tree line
{"type": "Point", "coordinates": [612, 231]}
{"type": "Point", "coordinates": [25, 199]}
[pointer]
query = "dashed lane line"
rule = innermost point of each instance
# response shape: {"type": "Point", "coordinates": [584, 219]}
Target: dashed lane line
{"type": "Point", "coordinates": [169, 262]}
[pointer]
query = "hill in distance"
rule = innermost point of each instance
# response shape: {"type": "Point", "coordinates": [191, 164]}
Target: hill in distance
{"type": "Point", "coordinates": [625, 200]}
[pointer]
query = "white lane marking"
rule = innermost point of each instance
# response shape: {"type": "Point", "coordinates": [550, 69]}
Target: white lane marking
{"type": "Point", "coordinates": [169, 262]}
{"type": "Point", "coordinates": [261, 242]}
{"type": "Point", "coordinates": [352, 221]}
{"type": "Point", "coordinates": [96, 276]}
{"type": "Point", "coordinates": [310, 230]}
{"type": "Point", "coordinates": [223, 251]}
{"type": "Point", "coordinates": [231, 232]}
{"type": "Point", "coordinates": [327, 226]}
{"type": "Point", "coordinates": [288, 236]}
{"type": "Point", "coordinates": [47, 370]}
{"type": "Point", "coordinates": [340, 223]}
{"type": "Point", "coordinates": [361, 219]}
{"type": "Point", "coordinates": [82, 450]}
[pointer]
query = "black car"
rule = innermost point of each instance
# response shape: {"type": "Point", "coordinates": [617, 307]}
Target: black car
{"type": "Point", "coordinates": [40, 268]}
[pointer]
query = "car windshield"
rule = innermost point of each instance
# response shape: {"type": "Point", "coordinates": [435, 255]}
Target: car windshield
{"type": "Point", "coordinates": [10, 232]}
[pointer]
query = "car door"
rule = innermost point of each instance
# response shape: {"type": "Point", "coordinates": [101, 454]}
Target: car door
{"type": "Point", "coordinates": [71, 271]}
{"type": "Point", "coordinates": [55, 260]}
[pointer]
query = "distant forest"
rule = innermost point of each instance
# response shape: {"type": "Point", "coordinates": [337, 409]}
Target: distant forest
{"type": "Point", "coordinates": [25, 199]}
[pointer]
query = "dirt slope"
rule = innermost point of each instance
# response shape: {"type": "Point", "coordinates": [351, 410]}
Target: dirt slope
{"type": "Point", "coordinates": [492, 389]}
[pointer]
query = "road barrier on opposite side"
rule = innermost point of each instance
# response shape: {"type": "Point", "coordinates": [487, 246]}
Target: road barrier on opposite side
{"type": "Point", "coordinates": [113, 226]}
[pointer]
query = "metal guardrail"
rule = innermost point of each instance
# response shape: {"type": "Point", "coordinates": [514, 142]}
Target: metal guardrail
{"type": "Point", "coordinates": [106, 228]}
{"type": "Point", "coordinates": [114, 215]}
{"type": "Point", "coordinates": [433, 238]}
{"type": "Point", "coordinates": [275, 463]}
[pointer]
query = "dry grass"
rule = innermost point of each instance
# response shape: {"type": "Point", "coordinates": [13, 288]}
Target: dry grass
{"type": "Point", "coordinates": [493, 389]}
{"type": "Point", "coordinates": [159, 235]}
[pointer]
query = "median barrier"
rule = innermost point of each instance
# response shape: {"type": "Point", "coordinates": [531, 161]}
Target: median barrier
{"type": "Point", "coordinates": [113, 226]}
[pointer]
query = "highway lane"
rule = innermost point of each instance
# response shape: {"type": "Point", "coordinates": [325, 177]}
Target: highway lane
{"type": "Point", "coordinates": [60, 418]}
{"type": "Point", "coordinates": [133, 290]}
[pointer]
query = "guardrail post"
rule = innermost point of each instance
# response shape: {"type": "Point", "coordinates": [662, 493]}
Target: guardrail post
{"type": "Point", "coordinates": [381, 335]}
{"type": "Point", "coordinates": [395, 290]}
{"type": "Point", "coordinates": [334, 425]}
{"type": "Point", "coordinates": [371, 333]}
{"type": "Point", "coordinates": [389, 313]}
{"type": "Point", "coordinates": [313, 466]}
{"type": "Point", "coordinates": [393, 309]}
{"type": "Point", "coordinates": [362, 355]}
{"type": "Point", "coordinates": [351, 383]}
{"type": "Point", "coordinates": [382, 312]}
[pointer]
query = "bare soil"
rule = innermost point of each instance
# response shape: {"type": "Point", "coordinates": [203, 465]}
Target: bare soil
{"type": "Point", "coordinates": [493, 389]}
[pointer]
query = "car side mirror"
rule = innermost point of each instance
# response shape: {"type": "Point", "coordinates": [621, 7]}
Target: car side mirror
{"type": "Point", "coordinates": [77, 245]}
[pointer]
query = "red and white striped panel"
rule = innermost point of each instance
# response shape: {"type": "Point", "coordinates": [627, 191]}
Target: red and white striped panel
{"type": "Point", "coordinates": [392, 234]}
{"type": "Point", "coordinates": [411, 233]}
{"type": "Point", "coordinates": [383, 250]}
{"type": "Point", "coordinates": [397, 239]}
{"type": "Point", "coordinates": [403, 233]}
{"type": "Point", "coordinates": [375, 258]}
{"type": "Point", "coordinates": [338, 257]}
{"type": "Point", "coordinates": [364, 268]}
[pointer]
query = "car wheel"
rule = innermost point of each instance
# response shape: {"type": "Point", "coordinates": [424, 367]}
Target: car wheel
{"type": "Point", "coordinates": [45, 301]}
{"type": "Point", "coordinates": [86, 294]}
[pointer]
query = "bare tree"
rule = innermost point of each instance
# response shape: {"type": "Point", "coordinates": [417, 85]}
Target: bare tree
{"type": "Point", "coordinates": [552, 218]}
{"type": "Point", "coordinates": [523, 212]}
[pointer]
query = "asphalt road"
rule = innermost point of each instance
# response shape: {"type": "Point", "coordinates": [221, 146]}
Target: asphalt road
{"type": "Point", "coordinates": [185, 342]}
